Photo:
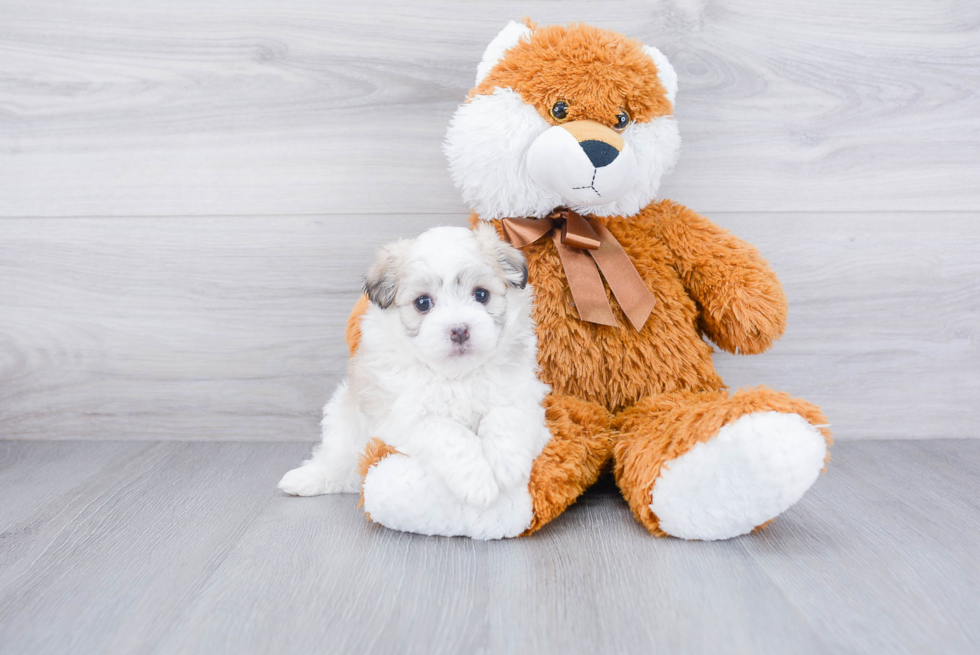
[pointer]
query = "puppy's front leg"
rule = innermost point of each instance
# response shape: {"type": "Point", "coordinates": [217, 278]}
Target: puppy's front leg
{"type": "Point", "coordinates": [512, 438]}
{"type": "Point", "coordinates": [332, 468]}
{"type": "Point", "coordinates": [454, 453]}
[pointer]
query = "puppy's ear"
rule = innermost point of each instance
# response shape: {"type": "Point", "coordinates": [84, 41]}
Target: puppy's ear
{"type": "Point", "coordinates": [381, 282]}
{"type": "Point", "coordinates": [510, 260]}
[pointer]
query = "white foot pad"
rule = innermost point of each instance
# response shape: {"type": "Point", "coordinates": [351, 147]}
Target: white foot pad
{"type": "Point", "coordinates": [752, 471]}
{"type": "Point", "coordinates": [401, 495]}
{"type": "Point", "coordinates": [310, 480]}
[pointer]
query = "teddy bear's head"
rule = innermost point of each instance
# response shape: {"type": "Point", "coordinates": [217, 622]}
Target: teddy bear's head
{"type": "Point", "coordinates": [564, 115]}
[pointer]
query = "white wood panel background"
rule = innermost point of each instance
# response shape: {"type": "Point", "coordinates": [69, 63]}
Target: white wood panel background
{"type": "Point", "coordinates": [189, 193]}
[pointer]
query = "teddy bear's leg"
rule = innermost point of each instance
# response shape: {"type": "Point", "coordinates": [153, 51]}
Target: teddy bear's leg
{"type": "Point", "coordinates": [703, 465]}
{"type": "Point", "coordinates": [572, 461]}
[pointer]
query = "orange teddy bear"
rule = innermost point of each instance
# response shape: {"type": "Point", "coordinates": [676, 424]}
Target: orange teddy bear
{"type": "Point", "coordinates": [562, 145]}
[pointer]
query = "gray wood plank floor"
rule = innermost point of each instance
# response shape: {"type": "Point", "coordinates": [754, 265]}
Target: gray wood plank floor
{"type": "Point", "coordinates": [128, 547]}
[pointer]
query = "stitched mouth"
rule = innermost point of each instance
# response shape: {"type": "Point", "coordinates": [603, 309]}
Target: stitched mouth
{"type": "Point", "coordinates": [591, 184]}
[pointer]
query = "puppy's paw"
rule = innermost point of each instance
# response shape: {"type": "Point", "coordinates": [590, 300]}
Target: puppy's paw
{"type": "Point", "coordinates": [511, 466]}
{"type": "Point", "coordinates": [307, 481]}
{"type": "Point", "coordinates": [475, 487]}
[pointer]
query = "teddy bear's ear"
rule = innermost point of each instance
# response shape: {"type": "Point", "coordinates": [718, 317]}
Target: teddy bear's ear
{"type": "Point", "coordinates": [664, 71]}
{"type": "Point", "coordinates": [381, 282]}
{"type": "Point", "coordinates": [507, 39]}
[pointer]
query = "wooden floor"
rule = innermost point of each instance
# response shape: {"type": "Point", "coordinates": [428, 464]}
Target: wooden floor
{"type": "Point", "coordinates": [181, 547]}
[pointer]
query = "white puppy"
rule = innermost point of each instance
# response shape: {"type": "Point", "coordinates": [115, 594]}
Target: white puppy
{"type": "Point", "coordinates": [445, 373]}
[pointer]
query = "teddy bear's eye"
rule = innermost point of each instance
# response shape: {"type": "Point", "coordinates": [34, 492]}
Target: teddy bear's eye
{"type": "Point", "coordinates": [622, 120]}
{"type": "Point", "coordinates": [423, 303]}
{"type": "Point", "coordinates": [560, 110]}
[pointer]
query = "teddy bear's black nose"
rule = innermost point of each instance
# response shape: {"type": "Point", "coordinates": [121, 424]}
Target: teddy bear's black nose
{"type": "Point", "coordinates": [600, 153]}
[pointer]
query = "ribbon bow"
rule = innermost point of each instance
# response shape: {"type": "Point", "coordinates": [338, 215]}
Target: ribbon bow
{"type": "Point", "coordinates": [586, 247]}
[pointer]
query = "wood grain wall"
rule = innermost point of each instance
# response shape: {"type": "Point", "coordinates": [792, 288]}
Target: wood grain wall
{"type": "Point", "coordinates": [189, 193]}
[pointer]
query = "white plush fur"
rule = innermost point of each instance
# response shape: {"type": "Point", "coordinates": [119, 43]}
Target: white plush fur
{"type": "Point", "coordinates": [504, 41]}
{"type": "Point", "coordinates": [507, 160]}
{"type": "Point", "coordinates": [752, 471]}
{"type": "Point", "coordinates": [486, 145]}
{"type": "Point", "coordinates": [557, 162]}
{"type": "Point", "coordinates": [467, 416]}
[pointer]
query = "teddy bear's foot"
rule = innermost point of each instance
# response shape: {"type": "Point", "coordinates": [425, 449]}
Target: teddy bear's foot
{"type": "Point", "coordinates": [751, 472]}
{"type": "Point", "coordinates": [400, 494]}
{"type": "Point", "coordinates": [705, 466]}
{"type": "Point", "coordinates": [579, 450]}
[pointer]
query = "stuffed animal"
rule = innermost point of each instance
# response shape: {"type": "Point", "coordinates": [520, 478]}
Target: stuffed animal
{"type": "Point", "coordinates": [561, 146]}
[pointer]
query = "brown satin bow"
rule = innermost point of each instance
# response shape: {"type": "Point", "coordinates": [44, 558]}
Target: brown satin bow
{"type": "Point", "coordinates": [586, 247]}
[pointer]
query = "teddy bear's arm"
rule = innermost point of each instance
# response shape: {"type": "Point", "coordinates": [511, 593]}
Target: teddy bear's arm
{"type": "Point", "coordinates": [742, 304]}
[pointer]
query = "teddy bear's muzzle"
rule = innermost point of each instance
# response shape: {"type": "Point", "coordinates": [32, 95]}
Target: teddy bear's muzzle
{"type": "Point", "coordinates": [584, 162]}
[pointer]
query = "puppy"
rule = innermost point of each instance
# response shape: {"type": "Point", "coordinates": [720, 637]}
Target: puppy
{"type": "Point", "coordinates": [445, 372]}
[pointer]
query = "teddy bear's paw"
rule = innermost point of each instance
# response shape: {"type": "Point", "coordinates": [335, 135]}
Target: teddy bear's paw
{"type": "Point", "coordinates": [753, 470]}
{"type": "Point", "coordinates": [311, 480]}
{"type": "Point", "coordinates": [401, 494]}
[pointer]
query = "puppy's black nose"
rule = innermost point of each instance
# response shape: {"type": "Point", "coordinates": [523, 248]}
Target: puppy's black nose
{"type": "Point", "coordinates": [600, 153]}
{"type": "Point", "coordinates": [459, 333]}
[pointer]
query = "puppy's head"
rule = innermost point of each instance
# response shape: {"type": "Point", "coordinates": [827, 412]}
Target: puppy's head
{"type": "Point", "coordinates": [450, 290]}
{"type": "Point", "coordinates": [564, 115]}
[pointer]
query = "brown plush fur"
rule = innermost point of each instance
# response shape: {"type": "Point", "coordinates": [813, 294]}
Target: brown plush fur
{"type": "Point", "coordinates": [353, 332]}
{"type": "Point", "coordinates": [703, 279]}
{"type": "Point", "coordinates": [634, 399]}
{"type": "Point", "coordinates": [580, 446]}
{"type": "Point", "coordinates": [374, 452]}
{"type": "Point", "coordinates": [597, 72]}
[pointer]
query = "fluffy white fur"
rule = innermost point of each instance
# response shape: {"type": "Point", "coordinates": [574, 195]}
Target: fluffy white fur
{"type": "Point", "coordinates": [507, 160]}
{"type": "Point", "coordinates": [751, 472]}
{"type": "Point", "coordinates": [467, 416]}
{"type": "Point", "coordinates": [401, 494]}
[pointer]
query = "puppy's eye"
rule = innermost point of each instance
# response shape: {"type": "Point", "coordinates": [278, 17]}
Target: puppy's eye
{"type": "Point", "coordinates": [482, 296]}
{"type": "Point", "coordinates": [423, 303]}
{"type": "Point", "coordinates": [622, 120]}
{"type": "Point", "coordinates": [560, 110]}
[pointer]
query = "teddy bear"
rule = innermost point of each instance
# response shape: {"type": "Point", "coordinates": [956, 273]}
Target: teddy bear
{"type": "Point", "coordinates": [561, 145]}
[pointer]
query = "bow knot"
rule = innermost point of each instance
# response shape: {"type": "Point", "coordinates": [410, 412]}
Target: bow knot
{"type": "Point", "coordinates": [586, 247]}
